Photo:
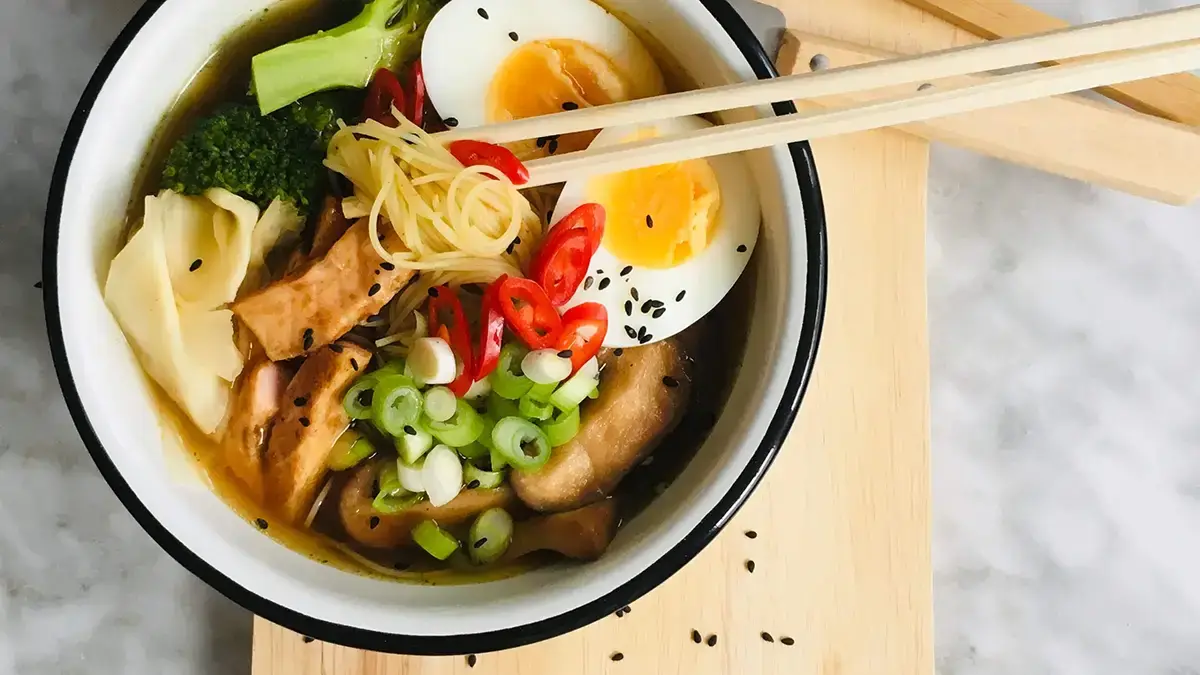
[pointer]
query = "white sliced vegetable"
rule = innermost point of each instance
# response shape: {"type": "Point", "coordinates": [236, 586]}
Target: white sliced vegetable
{"type": "Point", "coordinates": [490, 536]}
{"type": "Point", "coordinates": [579, 387]}
{"type": "Point", "coordinates": [440, 404]}
{"type": "Point", "coordinates": [442, 475]}
{"type": "Point", "coordinates": [411, 476]}
{"type": "Point", "coordinates": [589, 370]}
{"type": "Point", "coordinates": [545, 366]}
{"type": "Point", "coordinates": [432, 361]}
{"type": "Point", "coordinates": [480, 389]}
{"type": "Point", "coordinates": [413, 446]}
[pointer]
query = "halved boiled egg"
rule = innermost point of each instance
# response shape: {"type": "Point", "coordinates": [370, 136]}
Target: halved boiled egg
{"type": "Point", "coordinates": [489, 61]}
{"type": "Point", "coordinates": [677, 237]}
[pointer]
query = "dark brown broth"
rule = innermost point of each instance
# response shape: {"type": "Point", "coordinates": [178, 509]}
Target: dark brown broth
{"type": "Point", "coordinates": [717, 358]}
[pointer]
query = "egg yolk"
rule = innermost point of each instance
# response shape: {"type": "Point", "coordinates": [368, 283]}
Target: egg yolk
{"type": "Point", "coordinates": [661, 216]}
{"type": "Point", "coordinates": [549, 76]}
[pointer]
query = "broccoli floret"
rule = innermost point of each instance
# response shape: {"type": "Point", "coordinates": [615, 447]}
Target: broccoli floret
{"type": "Point", "coordinates": [262, 158]}
{"type": "Point", "coordinates": [386, 34]}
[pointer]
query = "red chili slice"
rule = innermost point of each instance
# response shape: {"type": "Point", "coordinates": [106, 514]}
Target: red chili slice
{"type": "Point", "coordinates": [590, 217]}
{"type": "Point", "coordinates": [446, 317]}
{"type": "Point", "coordinates": [529, 312]}
{"type": "Point", "coordinates": [562, 263]}
{"type": "Point", "coordinates": [385, 91]}
{"type": "Point", "coordinates": [491, 332]}
{"type": "Point", "coordinates": [584, 328]}
{"type": "Point", "coordinates": [476, 153]}
{"type": "Point", "coordinates": [418, 94]}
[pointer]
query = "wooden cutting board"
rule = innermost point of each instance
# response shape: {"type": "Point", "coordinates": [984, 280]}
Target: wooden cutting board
{"type": "Point", "coordinates": [842, 574]}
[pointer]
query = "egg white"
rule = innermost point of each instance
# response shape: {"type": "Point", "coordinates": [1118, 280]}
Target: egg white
{"type": "Point", "coordinates": [703, 280]}
{"type": "Point", "coordinates": [463, 50]}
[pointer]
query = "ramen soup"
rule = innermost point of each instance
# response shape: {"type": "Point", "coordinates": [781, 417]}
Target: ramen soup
{"type": "Point", "coordinates": [382, 350]}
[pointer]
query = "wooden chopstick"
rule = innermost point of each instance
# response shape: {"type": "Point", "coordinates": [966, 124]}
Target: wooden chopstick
{"type": "Point", "coordinates": [1160, 28]}
{"type": "Point", "coordinates": [1172, 97]}
{"type": "Point", "coordinates": [998, 91]}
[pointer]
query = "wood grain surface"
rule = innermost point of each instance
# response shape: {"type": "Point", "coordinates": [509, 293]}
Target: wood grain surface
{"type": "Point", "coordinates": [842, 552]}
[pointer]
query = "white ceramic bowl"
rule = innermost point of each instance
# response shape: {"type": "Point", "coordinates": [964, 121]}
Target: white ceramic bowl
{"type": "Point", "coordinates": [150, 63]}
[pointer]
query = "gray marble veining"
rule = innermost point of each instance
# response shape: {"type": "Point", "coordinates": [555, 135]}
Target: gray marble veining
{"type": "Point", "coordinates": [1065, 425]}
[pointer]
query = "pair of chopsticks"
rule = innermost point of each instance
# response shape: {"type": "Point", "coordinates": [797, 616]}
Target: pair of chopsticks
{"type": "Point", "coordinates": [1133, 49]}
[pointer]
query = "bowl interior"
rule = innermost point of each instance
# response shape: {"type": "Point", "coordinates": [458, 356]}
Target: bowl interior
{"type": "Point", "coordinates": [160, 485]}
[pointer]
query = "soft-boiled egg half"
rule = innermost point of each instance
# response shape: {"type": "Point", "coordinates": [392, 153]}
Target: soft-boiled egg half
{"type": "Point", "coordinates": [677, 237]}
{"type": "Point", "coordinates": [489, 61]}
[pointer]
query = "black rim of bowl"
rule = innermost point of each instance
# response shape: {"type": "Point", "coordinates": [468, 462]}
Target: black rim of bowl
{"type": "Point", "coordinates": [648, 579]}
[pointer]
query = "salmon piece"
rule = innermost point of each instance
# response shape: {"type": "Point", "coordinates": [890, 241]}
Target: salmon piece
{"type": "Point", "coordinates": [322, 301]}
{"type": "Point", "coordinates": [311, 419]}
{"type": "Point", "coordinates": [390, 531]}
{"type": "Point", "coordinates": [643, 394]}
{"type": "Point", "coordinates": [331, 226]}
{"type": "Point", "coordinates": [256, 400]}
{"type": "Point", "coordinates": [582, 534]}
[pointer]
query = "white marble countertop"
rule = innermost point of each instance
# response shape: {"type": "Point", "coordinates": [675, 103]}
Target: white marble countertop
{"type": "Point", "coordinates": [1066, 375]}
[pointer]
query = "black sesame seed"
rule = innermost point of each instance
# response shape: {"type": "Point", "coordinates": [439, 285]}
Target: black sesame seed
{"type": "Point", "coordinates": [658, 313]}
{"type": "Point", "coordinates": [679, 297]}
{"type": "Point", "coordinates": [387, 266]}
{"type": "Point", "coordinates": [750, 566]}
{"type": "Point", "coordinates": [377, 272]}
{"type": "Point", "coordinates": [617, 656]}
{"type": "Point", "coordinates": [307, 639]}
{"type": "Point", "coordinates": [300, 401]}
{"type": "Point", "coordinates": [657, 303]}
{"type": "Point", "coordinates": [450, 122]}
{"type": "Point", "coordinates": [471, 659]}
{"type": "Point", "coordinates": [767, 637]}
{"type": "Point", "coordinates": [751, 534]}
{"type": "Point", "coordinates": [481, 542]}
{"type": "Point", "coordinates": [473, 484]}
{"type": "Point", "coordinates": [647, 306]}
{"type": "Point", "coordinates": [570, 105]}
{"type": "Point", "coordinates": [599, 271]}
{"type": "Point", "coordinates": [196, 265]}
{"type": "Point", "coordinates": [37, 285]}
{"type": "Point", "coordinates": [626, 270]}
{"type": "Point", "coordinates": [552, 147]}
{"type": "Point", "coordinates": [641, 332]}
{"type": "Point", "coordinates": [433, 291]}
{"type": "Point", "coordinates": [620, 613]}
{"type": "Point", "coordinates": [375, 288]}
{"type": "Point", "coordinates": [787, 641]}
{"type": "Point", "coordinates": [696, 637]}
{"type": "Point", "coordinates": [643, 339]}
{"type": "Point", "coordinates": [410, 430]}
{"type": "Point", "coordinates": [631, 332]}
{"type": "Point", "coordinates": [712, 641]}
{"type": "Point", "coordinates": [354, 364]}
{"type": "Point", "coordinates": [482, 12]}
{"type": "Point", "coordinates": [618, 351]}
{"type": "Point", "coordinates": [308, 338]}
{"type": "Point", "coordinates": [517, 241]}
{"type": "Point", "coordinates": [335, 348]}
{"type": "Point", "coordinates": [649, 221]}
{"type": "Point", "coordinates": [604, 283]}
{"type": "Point", "coordinates": [304, 422]}
{"type": "Point", "coordinates": [514, 37]}
{"type": "Point", "coordinates": [670, 382]}
{"type": "Point", "coordinates": [262, 523]}
{"type": "Point", "coordinates": [401, 566]}
{"type": "Point", "coordinates": [566, 354]}
{"type": "Point", "coordinates": [628, 308]}
{"type": "Point", "coordinates": [542, 141]}
{"type": "Point", "coordinates": [374, 522]}
{"type": "Point", "coordinates": [627, 609]}
{"type": "Point", "coordinates": [512, 245]}
{"type": "Point", "coordinates": [633, 293]}
{"type": "Point", "coordinates": [587, 283]}
{"type": "Point", "coordinates": [741, 249]}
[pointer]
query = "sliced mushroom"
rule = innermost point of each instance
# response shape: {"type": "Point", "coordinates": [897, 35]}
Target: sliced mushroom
{"type": "Point", "coordinates": [582, 534]}
{"type": "Point", "coordinates": [257, 398]}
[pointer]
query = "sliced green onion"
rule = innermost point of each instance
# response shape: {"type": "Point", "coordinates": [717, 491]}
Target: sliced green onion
{"type": "Point", "coordinates": [541, 392]}
{"type": "Point", "coordinates": [485, 479]}
{"type": "Point", "coordinates": [414, 442]}
{"type": "Point", "coordinates": [389, 481]}
{"type": "Point", "coordinates": [436, 541]}
{"type": "Point", "coordinates": [531, 409]}
{"type": "Point", "coordinates": [485, 436]}
{"type": "Point", "coordinates": [507, 380]}
{"type": "Point", "coordinates": [393, 367]}
{"type": "Point", "coordinates": [515, 438]}
{"type": "Point", "coordinates": [498, 461]}
{"type": "Point", "coordinates": [479, 389]}
{"type": "Point", "coordinates": [460, 430]}
{"type": "Point", "coordinates": [349, 451]}
{"type": "Point", "coordinates": [476, 449]}
{"type": "Point", "coordinates": [410, 476]}
{"type": "Point", "coordinates": [440, 403]}
{"type": "Point", "coordinates": [545, 366]}
{"type": "Point", "coordinates": [359, 396]}
{"type": "Point", "coordinates": [442, 475]}
{"type": "Point", "coordinates": [561, 428]}
{"type": "Point", "coordinates": [397, 403]}
{"type": "Point", "coordinates": [392, 504]}
{"type": "Point", "coordinates": [499, 407]}
{"type": "Point", "coordinates": [490, 535]}
{"type": "Point", "coordinates": [581, 386]}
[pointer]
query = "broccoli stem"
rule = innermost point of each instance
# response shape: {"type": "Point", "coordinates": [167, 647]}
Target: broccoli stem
{"type": "Point", "coordinates": [383, 35]}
